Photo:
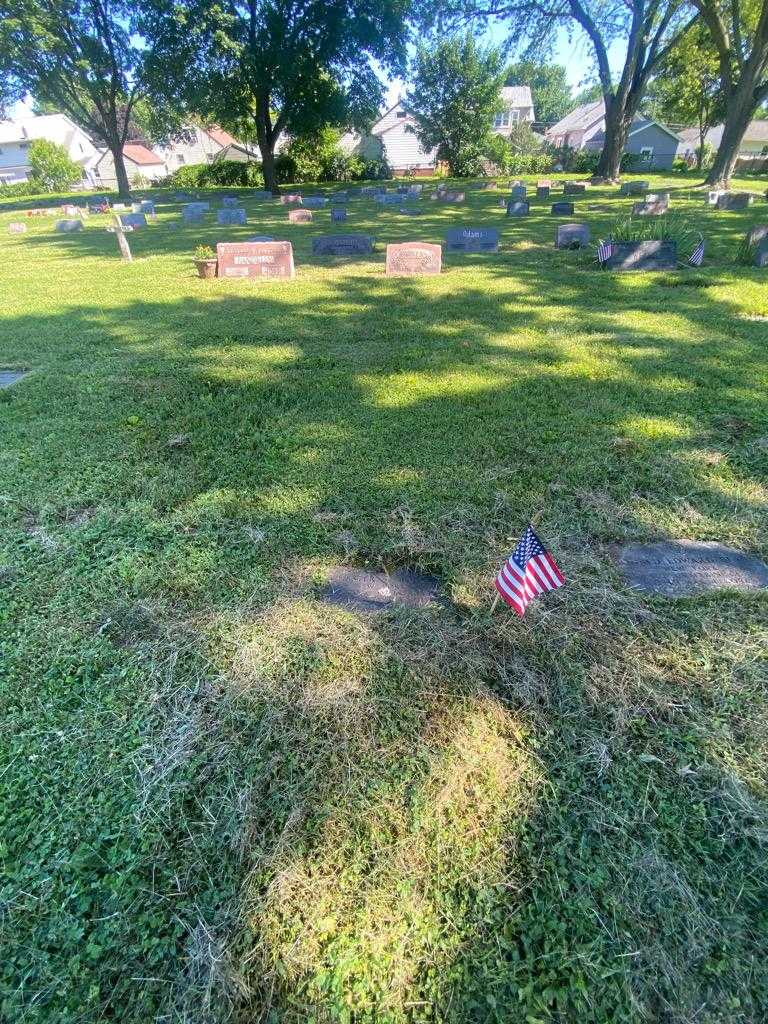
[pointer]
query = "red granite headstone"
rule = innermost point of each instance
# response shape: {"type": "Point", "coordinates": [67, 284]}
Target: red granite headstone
{"type": "Point", "coordinates": [412, 258]}
{"type": "Point", "coordinates": [300, 216]}
{"type": "Point", "coordinates": [255, 259]}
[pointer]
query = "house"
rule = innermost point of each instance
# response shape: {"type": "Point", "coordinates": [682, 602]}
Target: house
{"type": "Point", "coordinates": [140, 162]}
{"type": "Point", "coordinates": [754, 144]}
{"type": "Point", "coordinates": [651, 142]}
{"type": "Point", "coordinates": [17, 135]}
{"type": "Point", "coordinates": [393, 138]}
{"type": "Point", "coordinates": [196, 145]}
{"type": "Point", "coordinates": [518, 107]}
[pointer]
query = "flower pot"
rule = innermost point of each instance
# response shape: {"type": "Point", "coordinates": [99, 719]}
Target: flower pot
{"type": "Point", "coordinates": [206, 268]}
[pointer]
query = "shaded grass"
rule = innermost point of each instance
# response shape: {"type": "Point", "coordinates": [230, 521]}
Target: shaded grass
{"type": "Point", "coordinates": [221, 800]}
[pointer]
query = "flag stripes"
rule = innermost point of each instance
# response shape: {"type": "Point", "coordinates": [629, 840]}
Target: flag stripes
{"type": "Point", "coordinates": [528, 572]}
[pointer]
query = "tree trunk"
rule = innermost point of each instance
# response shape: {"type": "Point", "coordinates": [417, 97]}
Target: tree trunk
{"type": "Point", "coordinates": [123, 185]}
{"type": "Point", "coordinates": [616, 132]}
{"type": "Point", "coordinates": [741, 107]}
{"type": "Point", "coordinates": [268, 167]}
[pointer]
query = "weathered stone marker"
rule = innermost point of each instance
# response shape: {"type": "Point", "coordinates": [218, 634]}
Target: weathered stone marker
{"type": "Point", "coordinates": [408, 259]}
{"type": "Point", "coordinates": [562, 209]}
{"type": "Point", "coordinates": [761, 255]}
{"type": "Point", "coordinates": [542, 191]}
{"type": "Point", "coordinates": [338, 214]}
{"type": "Point", "coordinates": [16, 228]}
{"type": "Point", "coordinates": [649, 255]}
{"type": "Point", "coordinates": [230, 202]}
{"type": "Point", "coordinates": [572, 236]}
{"type": "Point", "coordinates": [518, 191]}
{"type": "Point", "coordinates": [734, 201]}
{"type": "Point", "coordinates": [472, 240]}
{"type": "Point", "coordinates": [69, 225]}
{"type": "Point", "coordinates": [573, 188]}
{"type": "Point", "coordinates": [683, 567]}
{"type": "Point", "coordinates": [342, 245]}
{"type": "Point", "coordinates": [300, 216]}
{"type": "Point", "coordinates": [451, 197]}
{"type": "Point", "coordinates": [649, 208]}
{"type": "Point", "coordinates": [518, 208]}
{"type": "Point", "coordinates": [314, 202]}
{"type": "Point", "coordinates": [255, 259]}
{"type": "Point", "coordinates": [363, 591]}
{"type": "Point", "coordinates": [232, 215]}
{"type": "Point", "coordinates": [133, 220]}
{"type": "Point", "coordinates": [291, 197]}
{"type": "Point", "coordinates": [9, 377]}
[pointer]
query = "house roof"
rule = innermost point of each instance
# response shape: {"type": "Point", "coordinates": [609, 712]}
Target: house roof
{"type": "Point", "coordinates": [757, 131]}
{"type": "Point", "coordinates": [640, 124]}
{"type": "Point", "coordinates": [23, 129]}
{"type": "Point", "coordinates": [580, 119]}
{"type": "Point", "coordinates": [219, 135]}
{"type": "Point", "coordinates": [517, 95]}
{"type": "Point", "coordinates": [140, 154]}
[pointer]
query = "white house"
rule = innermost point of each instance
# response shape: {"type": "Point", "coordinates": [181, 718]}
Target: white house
{"type": "Point", "coordinates": [16, 136]}
{"type": "Point", "coordinates": [518, 107]}
{"type": "Point", "coordinates": [393, 138]}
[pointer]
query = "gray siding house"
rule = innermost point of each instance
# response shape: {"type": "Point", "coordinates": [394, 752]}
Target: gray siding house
{"type": "Point", "coordinates": [652, 143]}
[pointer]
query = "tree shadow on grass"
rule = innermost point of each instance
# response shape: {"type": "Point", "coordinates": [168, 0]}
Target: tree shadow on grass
{"type": "Point", "coordinates": [409, 833]}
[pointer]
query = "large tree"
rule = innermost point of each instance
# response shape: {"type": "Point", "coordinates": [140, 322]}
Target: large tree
{"type": "Point", "coordinates": [549, 88]}
{"type": "Point", "coordinates": [284, 65]}
{"type": "Point", "coordinates": [454, 95]}
{"type": "Point", "coordinates": [81, 57]}
{"type": "Point", "coordinates": [687, 87]}
{"type": "Point", "coordinates": [646, 30]}
{"type": "Point", "coordinates": [739, 31]}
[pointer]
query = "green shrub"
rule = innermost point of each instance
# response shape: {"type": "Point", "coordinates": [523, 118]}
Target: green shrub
{"type": "Point", "coordinates": [19, 189]}
{"type": "Point", "coordinates": [51, 169]}
{"type": "Point", "coordinates": [669, 228]}
{"type": "Point", "coordinates": [234, 173]}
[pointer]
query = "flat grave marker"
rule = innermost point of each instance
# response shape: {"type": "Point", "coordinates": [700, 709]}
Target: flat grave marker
{"type": "Point", "coordinates": [472, 240]}
{"type": "Point", "coordinates": [69, 225]}
{"type": "Point", "coordinates": [451, 197]}
{"type": "Point", "coordinates": [338, 214]}
{"type": "Point", "coordinates": [16, 228]}
{"type": "Point", "coordinates": [300, 216]}
{"type": "Point", "coordinates": [684, 567]}
{"type": "Point", "coordinates": [314, 202]}
{"type": "Point", "coordinates": [230, 202]}
{"type": "Point", "coordinates": [342, 245]}
{"type": "Point", "coordinates": [9, 377]}
{"type": "Point", "coordinates": [231, 215]}
{"type": "Point", "coordinates": [255, 259]}
{"type": "Point", "coordinates": [572, 236]}
{"type": "Point", "coordinates": [562, 209]}
{"type": "Point", "coordinates": [291, 197]}
{"type": "Point", "coordinates": [409, 259]}
{"type": "Point", "coordinates": [363, 591]}
{"type": "Point", "coordinates": [573, 188]}
{"type": "Point", "coordinates": [260, 238]}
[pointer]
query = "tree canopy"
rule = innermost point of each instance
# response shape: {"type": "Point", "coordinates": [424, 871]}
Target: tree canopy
{"type": "Point", "coordinates": [285, 66]}
{"type": "Point", "coordinates": [647, 30]}
{"type": "Point", "coordinates": [83, 58]}
{"type": "Point", "coordinates": [454, 95]}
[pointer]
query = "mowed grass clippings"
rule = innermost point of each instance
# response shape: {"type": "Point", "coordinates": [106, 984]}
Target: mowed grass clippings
{"type": "Point", "coordinates": [223, 800]}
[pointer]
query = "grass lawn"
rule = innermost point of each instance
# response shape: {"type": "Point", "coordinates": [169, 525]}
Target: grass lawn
{"type": "Point", "coordinates": [221, 799]}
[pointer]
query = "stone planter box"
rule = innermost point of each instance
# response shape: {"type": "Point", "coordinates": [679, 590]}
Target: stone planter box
{"type": "Point", "coordinates": [643, 256]}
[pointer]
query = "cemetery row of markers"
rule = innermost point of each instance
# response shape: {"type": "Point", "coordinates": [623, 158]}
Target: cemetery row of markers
{"type": "Point", "coordinates": [262, 256]}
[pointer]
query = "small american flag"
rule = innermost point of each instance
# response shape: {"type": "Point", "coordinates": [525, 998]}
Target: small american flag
{"type": "Point", "coordinates": [697, 256]}
{"type": "Point", "coordinates": [529, 571]}
{"type": "Point", "coordinates": [604, 251]}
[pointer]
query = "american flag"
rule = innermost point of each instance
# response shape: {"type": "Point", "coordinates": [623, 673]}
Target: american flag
{"type": "Point", "coordinates": [529, 571]}
{"type": "Point", "coordinates": [604, 251]}
{"type": "Point", "coordinates": [697, 256]}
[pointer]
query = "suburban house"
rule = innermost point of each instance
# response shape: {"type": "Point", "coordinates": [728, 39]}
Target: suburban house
{"type": "Point", "coordinates": [196, 146]}
{"type": "Point", "coordinates": [754, 144]}
{"type": "Point", "coordinates": [518, 106]}
{"type": "Point", "coordinates": [140, 162]}
{"type": "Point", "coordinates": [392, 137]}
{"type": "Point", "coordinates": [654, 145]}
{"type": "Point", "coordinates": [17, 135]}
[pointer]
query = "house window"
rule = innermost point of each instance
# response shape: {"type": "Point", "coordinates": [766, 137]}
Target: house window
{"type": "Point", "coordinates": [400, 114]}
{"type": "Point", "coordinates": [515, 116]}
{"type": "Point", "coordinates": [501, 120]}
{"type": "Point", "coordinates": [23, 145]}
{"type": "Point", "coordinates": [646, 154]}
{"type": "Point", "coordinates": [180, 158]}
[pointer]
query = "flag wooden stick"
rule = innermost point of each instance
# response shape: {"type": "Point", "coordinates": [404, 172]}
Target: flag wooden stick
{"type": "Point", "coordinates": [495, 602]}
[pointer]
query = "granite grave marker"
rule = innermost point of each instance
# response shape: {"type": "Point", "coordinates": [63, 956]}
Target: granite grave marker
{"type": "Point", "coordinates": [472, 240]}
{"type": "Point", "coordinates": [408, 259]}
{"type": "Point", "coordinates": [300, 216]}
{"type": "Point", "coordinates": [572, 236]}
{"type": "Point", "coordinates": [255, 259]}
